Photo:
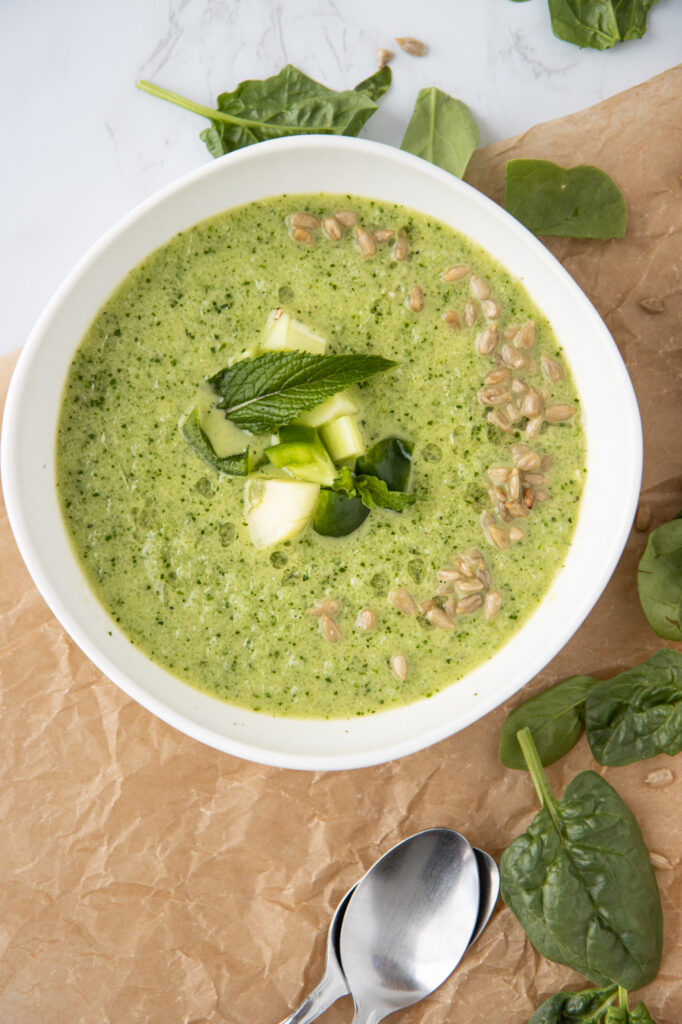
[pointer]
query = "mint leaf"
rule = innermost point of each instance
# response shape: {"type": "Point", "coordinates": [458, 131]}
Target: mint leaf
{"type": "Point", "coordinates": [271, 390]}
{"type": "Point", "coordinates": [442, 130]}
{"type": "Point", "coordinates": [288, 103]}
{"type": "Point", "coordinates": [580, 202]}
{"type": "Point", "coordinates": [374, 493]}
{"type": "Point", "coordinates": [345, 483]}
{"type": "Point", "coordinates": [234, 465]}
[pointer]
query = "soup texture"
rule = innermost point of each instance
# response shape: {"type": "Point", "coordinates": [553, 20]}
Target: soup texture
{"type": "Point", "coordinates": [418, 597]}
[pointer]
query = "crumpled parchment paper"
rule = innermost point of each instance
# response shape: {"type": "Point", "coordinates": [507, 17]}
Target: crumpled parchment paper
{"type": "Point", "coordinates": [146, 878]}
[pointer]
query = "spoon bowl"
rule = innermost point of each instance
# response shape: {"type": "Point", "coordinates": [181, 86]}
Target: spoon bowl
{"type": "Point", "coordinates": [409, 922]}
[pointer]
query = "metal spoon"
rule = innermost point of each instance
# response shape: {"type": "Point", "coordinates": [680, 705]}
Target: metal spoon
{"type": "Point", "coordinates": [333, 984]}
{"type": "Point", "coordinates": [409, 922]}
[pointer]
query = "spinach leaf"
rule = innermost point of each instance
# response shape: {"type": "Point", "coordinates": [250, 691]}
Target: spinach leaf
{"type": "Point", "coordinates": [586, 1007]}
{"type": "Point", "coordinates": [576, 202]}
{"type": "Point", "coordinates": [442, 130]}
{"type": "Point", "coordinates": [621, 1015]}
{"type": "Point", "coordinates": [376, 85]}
{"type": "Point", "coordinates": [637, 714]}
{"type": "Point", "coordinates": [581, 883]}
{"type": "Point", "coordinates": [234, 465]}
{"type": "Point", "coordinates": [555, 718]}
{"type": "Point", "coordinates": [659, 580]}
{"type": "Point", "coordinates": [372, 491]}
{"type": "Point", "coordinates": [271, 390]}
{"type": "Point", "coordinates": [288, 103]}
{"type": "Point", "coordinates": [599, 23]}
{"type": "Point", "coordinates": [390, 459]}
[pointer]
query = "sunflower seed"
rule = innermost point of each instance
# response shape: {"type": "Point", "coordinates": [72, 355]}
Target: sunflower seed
{"type": "Point", "coordinates": [652, 305]}
{"type": "Point", "coordinates": [304, 220]}
{"type": "Point", "coordinates": [535, 478]}
{"type": "Point", "coordinates": [331, 631]}
{"type": "Point", "coordinates": [438, 617]}
{"type": "Point", "coordinates": [332, 228]}
{"type": "Point", "coordinates": [559, 413]}
{"type": "Point", "coordinates": [302, 235]}
{"type": "Point", "coordinates": [382, 235]}
{"type": "Point", "coordinates": [528, 497]}
{"type": "Point", "coordinates": [493, 603]}
{"type": "Point", "coordinates": [384, 57]}
{"type": "Point", "coordinates": [365, 620]}
{"type": "Point", "coordinates": [450, 607]}
{"type": "Point", "coordinates": [512, 357]}
{"type": "Point", "coordinates": [469, 586]}
{"type": "Point", "coordinates": [447, 575]}
{"type": "Point", "coordinates": [484, 577]}
{"type": "Point", "coordinates": [541, 494]}
{"type": "Point", "coordinates": [534, 426]}
{"type": "Point", "coordinates": [493, 396]}
{"type": "Point", "coordinates": [452, 319]}
{"type": "Point", "coordinates": [491, 309]}
{"type": "Point", "coordinates": [497, 376]}
{"type": "Point", "coordinates": [346, 217]}
{"type": "Point", "coordinates": [551, 368]}
{"type": "Point", "coordinates": [499, 537]}
{"type": "Point", "coordinates": [470, 314]}
{"type": "Point", "coordinates": [513, 414]}
{"type": "Point", "coordinates": [465, 568]}
{"type": "Point", "coordinates": [531, 405]}
{"type": "Point", "coordinates": [499, 419]}
{"type": "Point", "coordinates": [403, 601]}
{"type": "Point", "coordinates": [517, 510]}
{"type": "Point", "coordinates": [474, 558]}
{"type": "Point", "coordinates": [517, 450]}
{"type": "Point", "coordinates": [399, 666]}
{"type": "Point", "coordinates": [659, 861]}
{"type": "Point", "coordinates": [478, 287]}
{"type": "Point", "coordinates": [511, 332]}
{"type": "Point", "coordinates": [525, 338]}
{"type": "Point", "coordinates": [515, 534]}
{"type": "Point", "coordinates": [547, 463]}
{"type": "Point", "coordinates": [416, 299]}
{"type": "Point", "coordinates": [487, 341]}
{"type": "Point", "coordinates": [498, 474]}
{"type": "Point", "coordinates": [443, 590]}
{"type": "Point", "coordinates": [659, 777]}
{"type": "Point", "coordinates": [456, 273]}
{"type": "Point", "coordinates": [366, 243]}
{"type": "Point", "coordinates": [469, 604]}
{"type": "Point", "coordinates": [426, 606]}
{"type": "Point", "coordinates": [643, 518]}
{"type": "Point", "coordinates": [504, 513]}
{"type": "Point", "coordinates": [527, 461]}
{"type": "Point", "coordinates": [329, 606]}
{"type": "Point", "coordinates": [410, 45]}
{"type": "Point", "coordinates": [401, 248]}
{"type": "Point", "coordinates": [514, 485]}
{"type": "Point", "coordinates": [519, 386]}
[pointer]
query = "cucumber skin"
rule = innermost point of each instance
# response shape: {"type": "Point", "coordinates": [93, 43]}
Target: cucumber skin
{"type": "Point", "coordinates": [337, 515]}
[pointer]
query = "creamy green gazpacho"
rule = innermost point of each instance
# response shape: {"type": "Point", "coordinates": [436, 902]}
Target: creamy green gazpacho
{"type": "Point", "coordinates": [366, 550]}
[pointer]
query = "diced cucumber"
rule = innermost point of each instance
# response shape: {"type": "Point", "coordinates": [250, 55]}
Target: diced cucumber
{"type": "Point", "coordinates": [343, 439]}
{"type": "Point", "coordinates": [337, 515]}
{"type": "Point", "coordinates": [334, 407]}
{"type": "Point", "coordinates": [283, 333]}
{"type": "Point", "coordinates": [390, 459]}
{"type": "Point", "coordinates": [302, 453]}
{"type": "Point", "coordinates": [235, 464]}
{"type": "Point", "coordinates": [277, 510]}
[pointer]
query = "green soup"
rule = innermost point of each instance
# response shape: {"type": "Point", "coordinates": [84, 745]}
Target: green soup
{"type": "Point", "coordinates": [163, 538]}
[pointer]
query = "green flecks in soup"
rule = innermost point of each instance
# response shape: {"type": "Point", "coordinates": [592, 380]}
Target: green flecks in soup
{"type": "Point", "coordinates": [483, 394]}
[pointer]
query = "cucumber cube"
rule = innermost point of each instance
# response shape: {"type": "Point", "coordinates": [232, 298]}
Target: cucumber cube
{"type": "Point", "coordinates": [342, 438]}
{"type": "Point", "coordinates": [334, 407]}
{"type": "Point", "coordinates": [277, 510]}
{"type": "Point", "coordinates": [283, 334]}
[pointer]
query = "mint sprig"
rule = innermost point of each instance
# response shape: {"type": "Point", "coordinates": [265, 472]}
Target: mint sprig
{"type": "Point", "coordinates": [372, 491]}
{"type": "Point", "coordinates": [267, 392]}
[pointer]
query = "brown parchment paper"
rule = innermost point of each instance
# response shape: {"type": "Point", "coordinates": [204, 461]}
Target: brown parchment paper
{"type": "Point", "coordinates": [146, 878]}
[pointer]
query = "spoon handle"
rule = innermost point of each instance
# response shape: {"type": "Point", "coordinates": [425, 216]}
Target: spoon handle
{"type": "Point", "coordinates": [331, 988]}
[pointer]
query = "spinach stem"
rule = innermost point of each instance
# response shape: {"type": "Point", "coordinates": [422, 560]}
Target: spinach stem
{"type": "Point", "coordinates": [622, 998]}
{"type": "Point", "coordinates": [537, 772]}
{"type": "Point", "coordinates": [219, 115]}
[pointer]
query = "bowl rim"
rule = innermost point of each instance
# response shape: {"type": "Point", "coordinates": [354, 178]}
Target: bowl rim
{"type": "Point", "coordinates": [18, 517]}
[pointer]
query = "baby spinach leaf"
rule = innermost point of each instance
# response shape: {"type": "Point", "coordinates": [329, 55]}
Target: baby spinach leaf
{"type": "Point", "coordinates": [442, 130]}
{"type": "Point", "coordinates": [581, 883]}
{"type": "Point", "coordinates": [659, 580]}
{"type": "Point", "coordinates": [390, 459]}
{"type": "Point", "coordinates": [586, 1007]}
{"type": "Point", "coordinates": [621, 1015]}
{"type": "Point", "coordinates": [637, 714]}
{"type": "Point", "coordinates": [599, 23]}
{"type": "Point", "coordinates": [271, 390]}
{"type": "Point", "coordinates": [234, 465]}
{"type": "Point", "coordinates": [288, 103]}
{"type": "Point", "coordinates": [555, 718]}
{"type": "Point", "coordinates": [376, 85]}
{"type": "Point", "coordinates": [576, 202]}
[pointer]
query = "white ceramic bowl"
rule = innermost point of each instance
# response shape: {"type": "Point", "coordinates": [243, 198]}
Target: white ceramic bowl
{"type": "Point", "coordinates": [326, 164]}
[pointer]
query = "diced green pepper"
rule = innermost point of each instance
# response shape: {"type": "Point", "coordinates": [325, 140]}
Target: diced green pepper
{"type": "Point", "coordinates": [390, 459]}
{"type": "Point", "coordinates": [336, 515]}
{"type": "Point", "coordinates": [301, 452]}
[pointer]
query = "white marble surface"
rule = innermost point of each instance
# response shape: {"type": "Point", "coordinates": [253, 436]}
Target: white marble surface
{"type": "Point", "coordinates": [82, 146]}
